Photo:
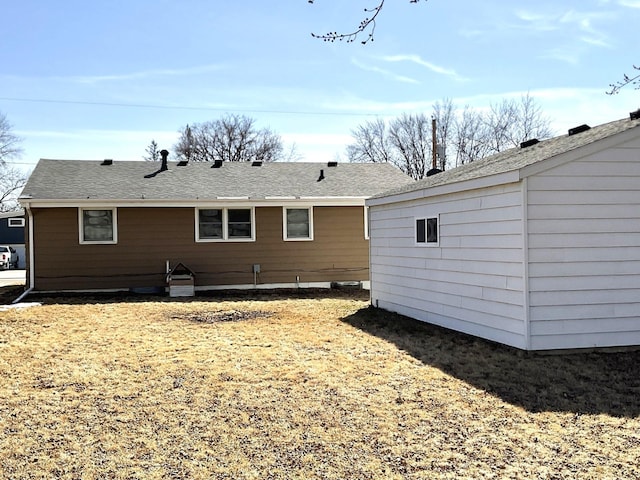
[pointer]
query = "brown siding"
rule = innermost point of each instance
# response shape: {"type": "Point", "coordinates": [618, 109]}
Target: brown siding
{"type": "Point", "coordinates": [148, 237]}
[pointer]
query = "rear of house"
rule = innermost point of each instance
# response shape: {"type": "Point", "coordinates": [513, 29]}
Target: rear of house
{"type": "Point", "coordinates": [537, 247]}
{"type": "Point", "coordinates": [120, 225]}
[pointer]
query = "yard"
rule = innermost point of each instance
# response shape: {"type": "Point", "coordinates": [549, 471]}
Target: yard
{"type": "Point", "coordinates": [305, 386]}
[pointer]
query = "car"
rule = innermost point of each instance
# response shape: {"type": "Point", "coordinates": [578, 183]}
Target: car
{"type": "Point", "coordinates": [8, 257]}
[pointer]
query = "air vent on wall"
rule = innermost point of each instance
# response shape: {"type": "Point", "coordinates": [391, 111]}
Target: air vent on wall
{"type": "Point", "coordinates": [582, 128]}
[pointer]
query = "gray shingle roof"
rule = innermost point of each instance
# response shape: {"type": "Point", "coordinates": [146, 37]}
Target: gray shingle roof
{"type": "Point", "coordinates": [516, 158]}
{"type": "Point", "coordinates": [131, 180]}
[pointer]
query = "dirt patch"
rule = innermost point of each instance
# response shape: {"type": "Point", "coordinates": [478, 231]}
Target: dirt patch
{"type": "Point", "coordinates": [224, 316]}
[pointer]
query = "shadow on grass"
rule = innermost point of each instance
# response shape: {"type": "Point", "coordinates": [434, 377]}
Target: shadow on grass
{"type": "Point", "coordinates": [582, 383]}
{"type": "Point", "coordinates": [206, 296]}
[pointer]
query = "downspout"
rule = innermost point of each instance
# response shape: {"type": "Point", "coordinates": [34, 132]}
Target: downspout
{"type": "Point", "coordinates": [31, 282]}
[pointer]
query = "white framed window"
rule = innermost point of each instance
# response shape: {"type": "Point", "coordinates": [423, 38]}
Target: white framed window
{"type": "Point", "coordinates": [226, 224]}
{"type": "Point", "coordinates": [297, 223]}
{"type": "Point", "coordinates": [98, 225]}
{"type": "Point", "coordinates": [427, 231]}
{"type": "Point", "coordinates": [16, 222]}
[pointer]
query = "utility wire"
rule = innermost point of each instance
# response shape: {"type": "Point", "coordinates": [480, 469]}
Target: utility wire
{"type": "Point", "coordinates": [179, 107]}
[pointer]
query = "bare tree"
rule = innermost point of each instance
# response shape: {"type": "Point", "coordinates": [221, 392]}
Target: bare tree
{"type": "Point", "coordinates": [368, 23]}
{"type": "Point", "coordinates": [412, 139]}
{"type": "Point", "coordinates": [371, 143]}
{"type": "Point", "coordinates": [153, 154]}
{"type": "Point", "coordinates": [626, 80]}
{"type": "Point", "coordinates": [444, 114]}
{"type": "Point", "coordinates": [9, 142]}
{"type": "Point", "coordinates": [232, 138]}
{"type": "Point", "coordinates": [11, 182]}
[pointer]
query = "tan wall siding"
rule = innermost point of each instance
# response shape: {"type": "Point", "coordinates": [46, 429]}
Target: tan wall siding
{"type": "Point", "coordinates": [148, 237]}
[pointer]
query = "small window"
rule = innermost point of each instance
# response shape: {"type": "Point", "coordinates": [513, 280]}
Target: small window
{"type": "Point", "coordinates": [427, 230]}
{"type": "Point", "coordinates": [224, 224]}
{"type": "Point", "coordinates": [16, 222]}
{"type": "Point", "coordinates": [98, 226]}
{"type": "Point", "coordinates": [298, 224]}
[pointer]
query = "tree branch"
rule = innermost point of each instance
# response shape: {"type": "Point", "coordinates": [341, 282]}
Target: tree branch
{"type": "Point", "coordinates": [626, 80]}
{"type": "Point", "coordinates": [368, 22]}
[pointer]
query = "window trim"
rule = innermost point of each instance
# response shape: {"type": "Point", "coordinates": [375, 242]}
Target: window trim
{"type": "Point", "coordinates": [114, 226]}
{"type": "Point", "coordinates": [285, 235]}
{"type": "Point", "coordinates": [366, 223]}
{"type": "Point", "coordinates": [225, 225]}
{"type": "Point", "coordinates": [19, 220]}
{"type": "Point", "coordinates": [426, 242]}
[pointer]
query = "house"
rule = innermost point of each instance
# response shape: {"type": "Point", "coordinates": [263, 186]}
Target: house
{"type": "Point", "coordinates": [537, 247]}
{"type": "Point", "coordinates": [12, 233]}
{"type": "Point", "coordinates": [117, 225]}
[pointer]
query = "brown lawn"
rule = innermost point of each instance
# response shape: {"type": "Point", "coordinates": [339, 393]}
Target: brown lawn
{"type": "Point", "coordinates": [310, 387]}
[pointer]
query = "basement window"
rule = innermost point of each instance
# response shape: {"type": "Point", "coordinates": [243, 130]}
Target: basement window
{"type": "Point", "coordinates": [298, 223]}
{"type": "Point", "coordinates": [98, 226]}
{"type": "Point", "coordinates": [225, 224]}
{"type": "Point", "coordinates": [427, 230]}
{"type": "Point", "coordinates": [16, 222]}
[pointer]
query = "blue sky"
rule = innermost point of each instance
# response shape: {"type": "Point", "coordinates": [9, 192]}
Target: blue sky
{"type": "Point", "coordinates": [94, 80]}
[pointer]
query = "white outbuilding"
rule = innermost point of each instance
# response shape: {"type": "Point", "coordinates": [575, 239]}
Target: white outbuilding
{"type": "Point", "coordinates": [537, 247]}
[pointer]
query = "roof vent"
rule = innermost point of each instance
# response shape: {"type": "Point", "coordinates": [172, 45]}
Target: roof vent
{"type": "Point", "coordinates": [321, 177]}
{"type": "Point", "coordinates": [216, 164]}
{"type": "Point", "coordinates": [107, 161]}
{"type": "Point", "coordinates": [634, 115]}
{"type": "Point", "coordinates": [433, 171]}
{"type": "Point", "coordinates": [183, 163]}
{"type": "Point", "coordinates": [165, 155]}
{"type": "Point", "coordinates": [529, 143]}
{"type": "Point", "coordinates": [582, 128]}
{"type": "Point", "coordinates": [332, 164]}
{"type": "Point", "coordinates": [256, 163]}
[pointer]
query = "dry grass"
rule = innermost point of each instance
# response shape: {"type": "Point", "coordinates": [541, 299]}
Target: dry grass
{"type": "Point", "coordinates": [298, 388]}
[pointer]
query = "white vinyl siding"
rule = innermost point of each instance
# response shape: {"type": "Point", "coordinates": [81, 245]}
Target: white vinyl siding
{"type": "Point", "coordinates": [584, 252]}
{"type": "Point", "coordinates": [472, 280]}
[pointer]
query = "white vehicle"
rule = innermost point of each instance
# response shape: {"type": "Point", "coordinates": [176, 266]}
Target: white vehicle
{"type": "Point", "coordinates": [8, 257]}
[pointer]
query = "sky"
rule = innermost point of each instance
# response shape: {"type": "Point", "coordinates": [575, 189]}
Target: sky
{"type": "Point", "coordinates": [101, 79]}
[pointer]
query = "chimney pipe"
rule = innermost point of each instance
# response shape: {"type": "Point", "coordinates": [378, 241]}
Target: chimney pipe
{"type": "Point", "coordinates": [164, 154]}
{"type": "Point", "coordinates": [321, 177]}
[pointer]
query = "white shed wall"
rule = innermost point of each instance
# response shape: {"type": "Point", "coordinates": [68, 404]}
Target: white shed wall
{"type": "Point", "coordinates": [584, 251]}
{"type": "Point", "coordinates": [472, 281]}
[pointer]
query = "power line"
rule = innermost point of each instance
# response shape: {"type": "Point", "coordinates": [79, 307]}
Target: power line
{"type": "Point", "coordinates": [179, 107]}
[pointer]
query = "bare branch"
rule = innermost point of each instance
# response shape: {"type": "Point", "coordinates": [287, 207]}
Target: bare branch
{"type": "Point", "coordinates": [11, 182]}
{"type": "Point", "coordinates": [369, 22]}
{"type": "Point", "coordinates": [9, 143]}
{"type": "Point", "coordinates": [626, 80]}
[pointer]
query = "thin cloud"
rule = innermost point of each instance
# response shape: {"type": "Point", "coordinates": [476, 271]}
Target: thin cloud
{"type": "Point", "coordinates": [423, 63]}
{"type": "Point", "coordinates": [630, 3]}
{"type": "Point", "coordinates": [382, 71]}
{"type": "Point", "coordinates": [94, 79]}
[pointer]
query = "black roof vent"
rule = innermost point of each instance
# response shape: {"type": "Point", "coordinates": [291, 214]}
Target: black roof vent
{"type": "Point", "coordinates": [256, 163]}
{"type": "Point", "coordinates": [216, 164]}
{"type": "Point", "coordinates": [107, 161]}
{"type": "Point", "coordinates": [332, 164]}
{"type": "Point", "coordinates": [529, 143]}
{"type": "Point", "coordinates": [433, 171]}
{"type": "Point", "coordinates": [183, 163]}
{"type": "Point", "coordinates": [582, 128]}
{"type": "Point", "coordinates": [321, 177]}
{"type": "Point", "coordinates": [634, 115]}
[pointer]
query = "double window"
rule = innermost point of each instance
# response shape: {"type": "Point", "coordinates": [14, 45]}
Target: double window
{"type": "Point", "coordinates": [225, 224]}
{"type": "Point", "coordinates": [427, 230]}
{"type": "Point", "coordinates": [297, 223]}
{"type": "Point", "coordinates": [98, 225]}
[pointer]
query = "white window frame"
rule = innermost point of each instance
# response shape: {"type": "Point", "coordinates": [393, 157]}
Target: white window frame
{"type": "Point", "coordinates": [426, 242]}
{"type": "Point", "coordinates": [225, 225]}
{"type": "Point", "coordinates": [15, 222]}
{"type": "Point", "coordinates": [114, 226]}
{"type": "Point", "coordinates": [285, 235]}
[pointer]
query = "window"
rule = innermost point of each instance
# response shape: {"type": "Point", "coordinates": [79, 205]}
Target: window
{"type": "Point", "coordinates": [224, 224]}
{"type": "Point", "coordinates": [98, 226]}
{"type": "Point", "coordinates": [427, 230]}
{"type": "Point", "coordinates": [16, 222]}
{"type": "Point", "coordinates": [298, 224]}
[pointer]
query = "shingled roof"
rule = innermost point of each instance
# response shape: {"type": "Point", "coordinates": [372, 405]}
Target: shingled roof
{"type": "Point", "coordinates": [517, 158]}
{"type": "Point", "coordinates": [79, 180]}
